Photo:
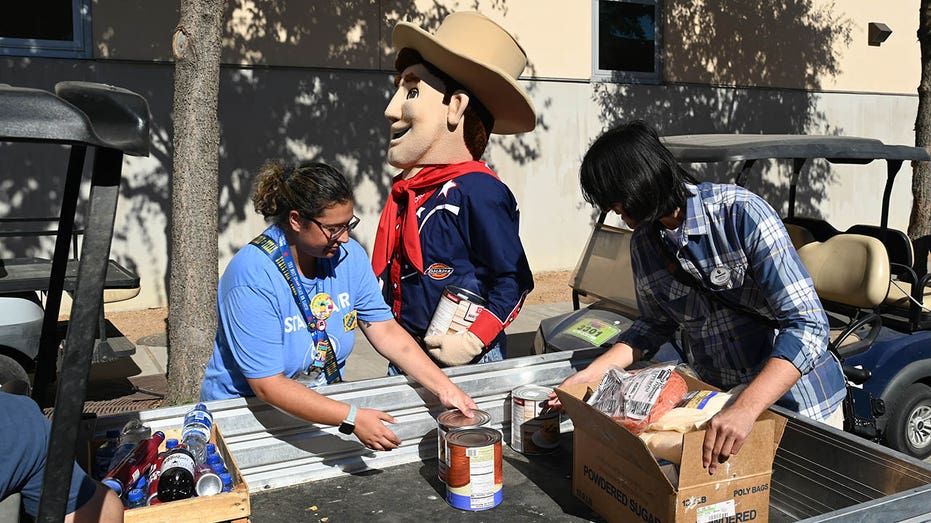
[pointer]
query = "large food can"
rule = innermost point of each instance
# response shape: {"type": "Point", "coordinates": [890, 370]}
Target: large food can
{"type": "Point", "coordinates": [534, 425]}
{"type": "Point", "coordinates": [455, 312]}
{"type": "Point", "coordinates": [454, 420]}
{"type": "Point", "coordinates": [475, 469]}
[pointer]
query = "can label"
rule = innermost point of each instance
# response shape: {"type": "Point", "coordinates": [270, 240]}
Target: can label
{"type": "Point", "coordinates": [456, 311]}
{"type": "Point", "coordinates": [475, 469]}
{"type": "Point", "coordinates": [534, 426]}
{"type": "Point", "coordinates": [178, 459]}
{"type": "Point", "coordinates": [449, 421]}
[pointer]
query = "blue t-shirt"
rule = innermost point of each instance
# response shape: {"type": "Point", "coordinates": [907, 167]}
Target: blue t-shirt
{"type": "Point", "coordinates": [261, 330]}
{"type": "Point", "coordinates": [24, 436]}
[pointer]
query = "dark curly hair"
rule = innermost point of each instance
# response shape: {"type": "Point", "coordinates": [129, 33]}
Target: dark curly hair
{"type": "Point", "coordinates": [309, 188]}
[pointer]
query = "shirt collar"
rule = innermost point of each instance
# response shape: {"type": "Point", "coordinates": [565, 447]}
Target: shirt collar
{"type": "Point", "coordinates": [696, 223]}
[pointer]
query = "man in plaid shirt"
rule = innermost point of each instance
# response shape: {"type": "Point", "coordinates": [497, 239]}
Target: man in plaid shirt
{"type": "Point", "coordinates": [716, 261]}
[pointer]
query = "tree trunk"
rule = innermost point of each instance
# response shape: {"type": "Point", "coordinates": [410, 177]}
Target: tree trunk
{"type": "Point", "coordinates": [192, 286]}
{"type": "Point", "coordinates": [919, 223]}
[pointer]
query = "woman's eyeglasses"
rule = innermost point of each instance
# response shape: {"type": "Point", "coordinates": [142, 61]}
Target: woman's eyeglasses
{"type": "Point", "coordinates": [335, 231]}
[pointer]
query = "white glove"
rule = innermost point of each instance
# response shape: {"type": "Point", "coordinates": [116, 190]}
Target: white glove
{"type": "Point", "coordinates": [454, 349]}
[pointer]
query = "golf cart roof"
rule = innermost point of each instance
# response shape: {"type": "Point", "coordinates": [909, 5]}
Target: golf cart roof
{"type": "Point", "coordinates": [695, 148]}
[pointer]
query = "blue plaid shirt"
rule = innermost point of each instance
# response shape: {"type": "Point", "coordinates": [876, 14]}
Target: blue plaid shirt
{"type": "Point", "coordinates": [734, 243]}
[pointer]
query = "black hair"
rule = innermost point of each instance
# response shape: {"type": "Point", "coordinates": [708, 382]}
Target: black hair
{"type": "Point", "coordinates": [630, 166]}
{"type": "Point", "coordinates": [309, 188]}
{"type": "Point", "coordinates": [478, 119]}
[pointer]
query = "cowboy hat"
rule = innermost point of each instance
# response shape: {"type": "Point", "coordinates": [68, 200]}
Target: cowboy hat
{"type": "Point", "coordinates": [483, 57]}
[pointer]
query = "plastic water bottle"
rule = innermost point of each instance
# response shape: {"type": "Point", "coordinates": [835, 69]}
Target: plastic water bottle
{"type": "Point", "coordinates": [104, 454]}
{"type": "Point", "coordinates": [135, 498]}
{"type": "Point", "coordinates": [227, 480]}
{"type": "Point", "coordinates": [196, 431]}
{"type": "Point", "coordinates": [215, 461]}
{"type": "Point", "coordinates": [133, 432]}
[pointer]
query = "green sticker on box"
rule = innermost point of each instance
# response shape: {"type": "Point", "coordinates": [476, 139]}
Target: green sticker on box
{"type": "Point", "coordinates": [595, 332]}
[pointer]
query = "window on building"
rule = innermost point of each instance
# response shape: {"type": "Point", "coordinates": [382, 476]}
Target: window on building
{"type": "Point", "coordinates": [52, 28]}
{"type": "Point", "coordinates": [626, 40]}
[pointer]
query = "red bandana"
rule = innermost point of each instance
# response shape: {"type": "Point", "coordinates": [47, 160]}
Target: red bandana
{"type": "Point", "coordinates": [403, 193]}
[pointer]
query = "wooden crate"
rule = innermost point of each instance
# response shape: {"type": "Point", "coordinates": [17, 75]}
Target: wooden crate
{"type": "Point", "coordinates": [225, 506]}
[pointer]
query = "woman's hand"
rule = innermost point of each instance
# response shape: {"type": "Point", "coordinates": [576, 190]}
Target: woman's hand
{"type": "Point", "coordinates": [372, 432]}
{"type": "Point", "coordinates": [454, 398]}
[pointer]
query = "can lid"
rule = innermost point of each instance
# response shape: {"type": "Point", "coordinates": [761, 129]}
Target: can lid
{"type": "Point", "coordinates": [480, 437]}
{"type": "Point", "coordinates": [532, 392]}
{"type": "Point", "coordinates": [454, 419]}
{"type": "Point", "coordinates": [465, 294]}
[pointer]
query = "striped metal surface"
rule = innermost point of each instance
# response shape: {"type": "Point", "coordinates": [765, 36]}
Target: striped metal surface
{"type": "Point", "coordinates": [274, 449]}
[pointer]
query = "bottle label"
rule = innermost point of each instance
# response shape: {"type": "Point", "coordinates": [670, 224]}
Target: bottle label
{"type": "Point", "coordinates": [178, 459]}
{"type": "Point", "coordinates": [198, 421]}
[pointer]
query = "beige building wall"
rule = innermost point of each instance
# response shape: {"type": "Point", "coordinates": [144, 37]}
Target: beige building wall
{"type": "Point", "coordinates": [780, 44]}
{"type": "Point", "coordinates": [310, 80]}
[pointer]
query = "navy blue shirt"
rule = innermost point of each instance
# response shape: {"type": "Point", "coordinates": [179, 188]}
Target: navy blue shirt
{"type": "Point", "coordinates": [469, 239]}
{"type": "Point", "coordinates": [24, 436]}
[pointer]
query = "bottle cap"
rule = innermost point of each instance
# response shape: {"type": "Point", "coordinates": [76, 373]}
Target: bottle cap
{"type": "Point", "coordinates": [171, 443]}
{"type": "Point", "coordinates": [114, 485]}
{"type": "Point", "coordinates": [211, 448]}
{"type": "Point", "coordinates": [213, 458]}
{"type": "Point", "coordinates": [135, 495]}
{"type": "Point", "coordinates": [226, 478]}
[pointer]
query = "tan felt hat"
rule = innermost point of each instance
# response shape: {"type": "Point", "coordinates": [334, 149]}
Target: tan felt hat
{"type": "Point", "coordinates": [483, 57]}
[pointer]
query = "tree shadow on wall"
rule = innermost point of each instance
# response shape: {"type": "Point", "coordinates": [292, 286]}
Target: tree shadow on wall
{"type": "Point", "coordinates": [294, 112]}
{"type": "Point", "coordinates": [758, 68]}
{"type": "Point", "coordinates": [335, 116]}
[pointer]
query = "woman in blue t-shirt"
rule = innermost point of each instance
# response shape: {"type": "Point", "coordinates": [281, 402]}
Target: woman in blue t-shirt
{"type": "Point", "coordinates": [278, 341]}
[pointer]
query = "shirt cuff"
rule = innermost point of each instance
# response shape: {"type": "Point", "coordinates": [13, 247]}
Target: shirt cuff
{"type": "Point", "coordinates": [486, 327]}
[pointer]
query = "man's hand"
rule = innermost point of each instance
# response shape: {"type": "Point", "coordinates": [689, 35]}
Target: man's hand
{"type": "Point", "coordinates": [454, 349]}
{"type": "Point", "coordinates": [725, 434]}
{"type": "Point", "coordinates": [372, 432]}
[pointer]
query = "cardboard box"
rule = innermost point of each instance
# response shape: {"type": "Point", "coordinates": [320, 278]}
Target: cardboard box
{"type": "Point", "coordinates": [615, 474]}
{"type": "Point", "coordinates": [225, 506]}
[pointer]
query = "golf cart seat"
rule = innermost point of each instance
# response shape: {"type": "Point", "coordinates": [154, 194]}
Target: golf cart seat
{"type": "Point", "coordinates": [851, 276]}
{"type": "Point", "coordinates": [820, 229]}
{"type": "Point", "coordinates": [799, 235]}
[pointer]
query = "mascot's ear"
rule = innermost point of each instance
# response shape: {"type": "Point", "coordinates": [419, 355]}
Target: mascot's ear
{"type": "Point", "coordinates": [456, 108]}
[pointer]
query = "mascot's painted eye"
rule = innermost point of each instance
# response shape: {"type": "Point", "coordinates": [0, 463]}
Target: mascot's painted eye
{"type": "Point", "coordinates": [413, 93]}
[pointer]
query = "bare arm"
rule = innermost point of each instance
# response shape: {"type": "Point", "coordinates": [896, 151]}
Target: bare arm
{"type": "Point", "coordinates": [728, 429]}
{"type": "Point", "coordinates": [103, 507]}
{"type": "Point", "coordinates": [394, 343]}
{"type": "Point", "coordinates": [302, 402]}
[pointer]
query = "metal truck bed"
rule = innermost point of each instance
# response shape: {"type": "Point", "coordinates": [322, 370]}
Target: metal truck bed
{"type": "Point", "coordinates": [820, 474]}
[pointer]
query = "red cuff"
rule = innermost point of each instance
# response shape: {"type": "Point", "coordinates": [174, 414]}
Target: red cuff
{"type": "Point", "coordinates": [486, 327]}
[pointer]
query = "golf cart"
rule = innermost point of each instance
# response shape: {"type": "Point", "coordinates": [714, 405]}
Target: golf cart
{"type": "Point", "coordinates": [873, 284]}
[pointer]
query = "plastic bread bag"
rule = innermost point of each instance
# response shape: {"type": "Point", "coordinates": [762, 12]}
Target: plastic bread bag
{"type": "Point", "coordinates": [692, 412]}
{"type": "Point", "coordinates": [608, 397]}
{"type": "Point", "coordinates": [636, 399]}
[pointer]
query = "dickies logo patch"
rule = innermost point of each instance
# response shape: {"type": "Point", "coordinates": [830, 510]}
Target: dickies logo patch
{"type": "Point", "coordinates": [438, 271]}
